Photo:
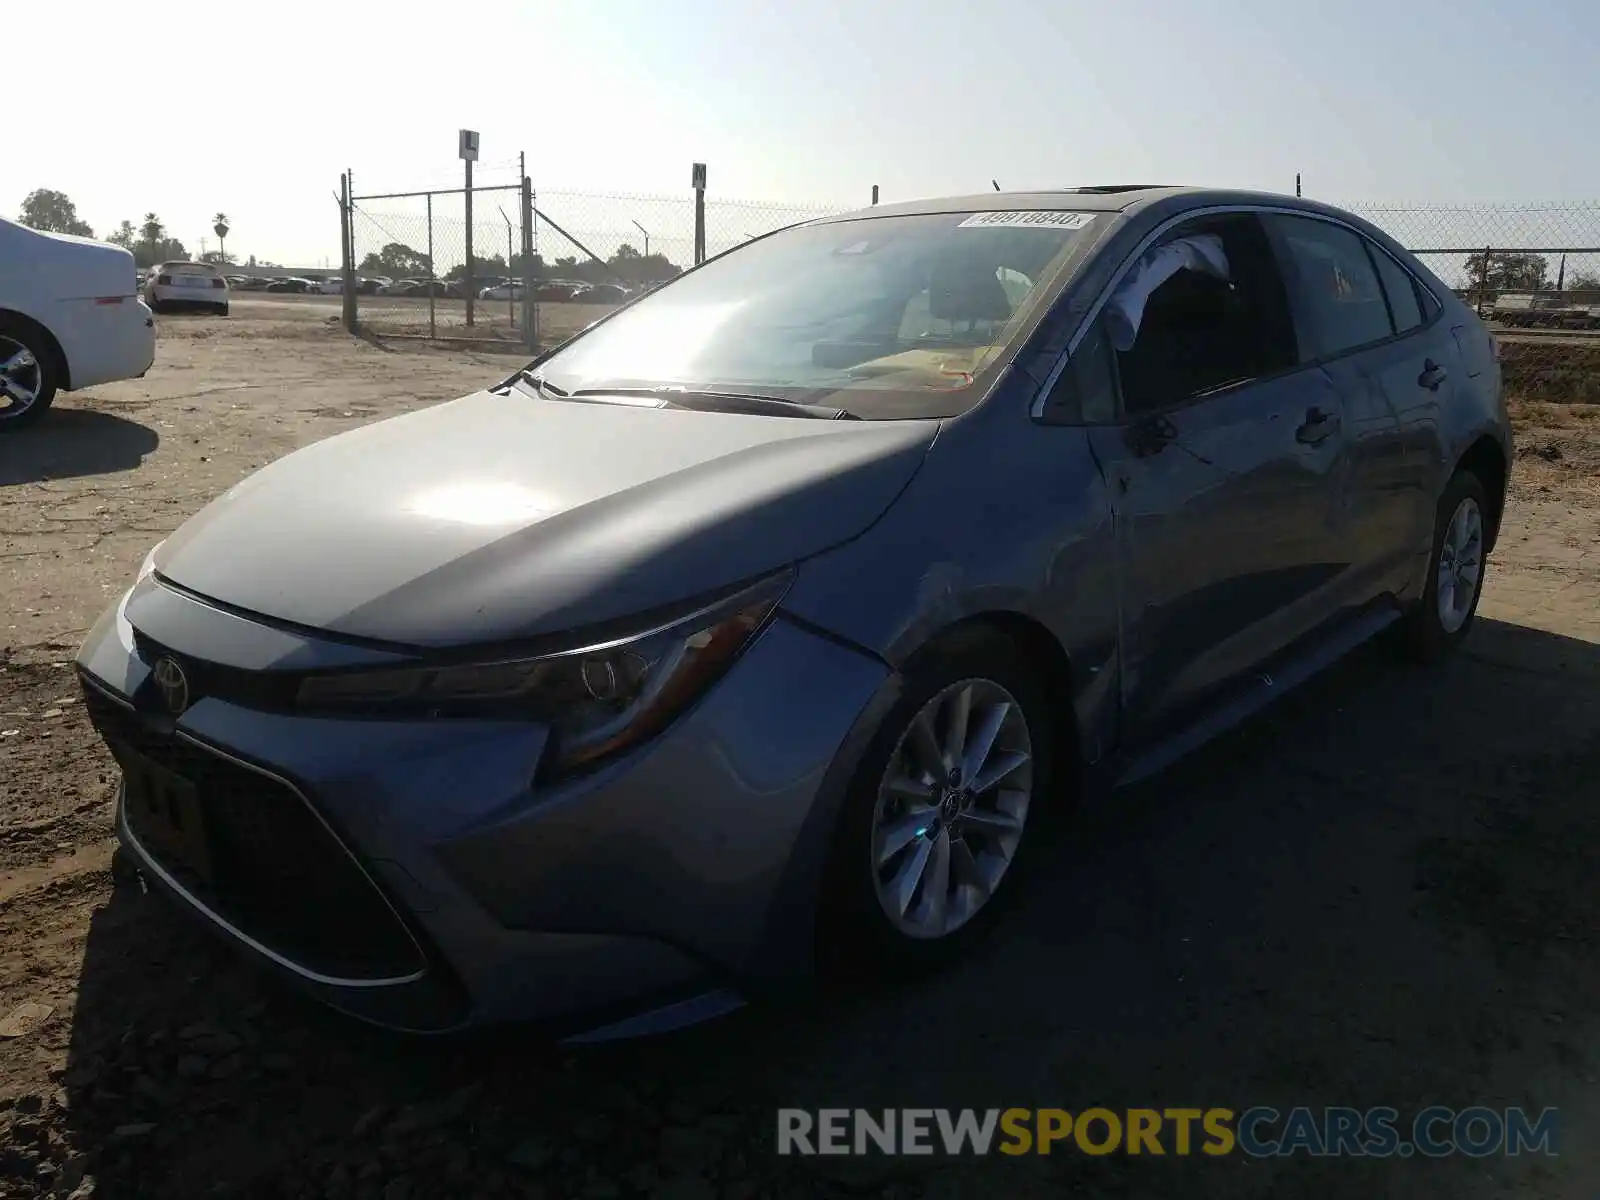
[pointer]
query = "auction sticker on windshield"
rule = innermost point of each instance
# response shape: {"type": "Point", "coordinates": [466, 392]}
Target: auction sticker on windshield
{"type": "Point", "coordinates": [1027, 220]}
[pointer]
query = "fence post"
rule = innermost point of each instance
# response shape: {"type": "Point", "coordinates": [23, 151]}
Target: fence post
{"type": "Point", "coordinates": [347, 250]}
{"type": "Point", "coordinates": [511, 292]}
{"type": "Point", "coordinates": [1483, 281]}
{"type": "Point", "coordinates": [874, 195]}
{"type": "Point", "coordinates": [432, 331]}
{"type": "Point", "coordinates": [698, 180]}
{"type": "Point", "coordinates": [530, 303]}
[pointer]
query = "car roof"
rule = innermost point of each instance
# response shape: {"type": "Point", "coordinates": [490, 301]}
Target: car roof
{"type": "Point", "coordinates": [1107, 198]}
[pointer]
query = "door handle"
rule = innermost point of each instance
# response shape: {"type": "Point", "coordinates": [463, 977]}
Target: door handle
{"type": "Point", "coordinates": [1432, 375]}
{"type": "Point", "coordinates": [1319, 427]}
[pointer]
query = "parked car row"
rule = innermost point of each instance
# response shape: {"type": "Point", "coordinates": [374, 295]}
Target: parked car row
{"type": "Point", "coordinates": [494, 288]}
{"type": "Point", "coordinates": [490, 288]}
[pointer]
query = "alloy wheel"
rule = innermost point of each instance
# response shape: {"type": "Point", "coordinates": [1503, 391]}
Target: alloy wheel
{"type": "Point", "coordinates": [951, 808]}
{"type": "Point", "coordinates": [21, 378]}
{"type": "Point", "coordinates": [1460, 565]}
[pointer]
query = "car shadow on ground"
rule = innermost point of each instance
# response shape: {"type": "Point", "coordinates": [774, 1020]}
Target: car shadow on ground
{"type": "Point", "coordinates": [67, 443]}
{"type": "Point", "coordinates": [1380, 892]}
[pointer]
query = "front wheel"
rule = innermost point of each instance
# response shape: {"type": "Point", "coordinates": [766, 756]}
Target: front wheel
{"type": "Point", "coordinates": [27, 375]}
{"type": "Point", "coordinates": [946, 800]}
{"type": "Point", "coordinates": [1440, 621]}
{"type": "Point", "coordinates": [220, 309]}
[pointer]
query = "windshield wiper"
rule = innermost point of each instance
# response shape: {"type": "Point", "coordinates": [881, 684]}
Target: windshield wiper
{"type": "Point", "coordinates": [748, 402]}
{"type": "Point", "coordinates": [539, 382]}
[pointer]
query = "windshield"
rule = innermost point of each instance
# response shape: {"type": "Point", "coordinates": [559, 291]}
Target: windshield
{"type": "Point", "coordinates": [884, 317]}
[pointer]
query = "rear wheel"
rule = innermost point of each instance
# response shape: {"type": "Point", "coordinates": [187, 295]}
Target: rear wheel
{"type": "Point", "coordinates": [1440, 621]}
{"type": "Point", "coordinates": [947, 799]}
{"type": "Point", "coordinates": [28, 374]}
{"type": "Point", "coordinates": [220, 309]}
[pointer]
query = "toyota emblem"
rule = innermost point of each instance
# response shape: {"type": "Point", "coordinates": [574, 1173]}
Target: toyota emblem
{"type": "Point", "coordinates": [173, 683]}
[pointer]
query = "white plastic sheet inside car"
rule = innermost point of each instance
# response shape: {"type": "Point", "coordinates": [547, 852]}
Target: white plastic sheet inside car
{"type": "Point", "coordinates": [1125, 309]}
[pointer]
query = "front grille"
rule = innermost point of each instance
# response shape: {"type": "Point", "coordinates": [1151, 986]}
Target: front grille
{"type": "Point", "coordinates": [258, 856]}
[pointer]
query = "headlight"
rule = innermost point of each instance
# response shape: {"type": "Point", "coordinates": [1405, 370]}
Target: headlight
{"type": "Point", "coordinates": [148, 567]}
{"type": "Point", "coordinates": [598, 699]}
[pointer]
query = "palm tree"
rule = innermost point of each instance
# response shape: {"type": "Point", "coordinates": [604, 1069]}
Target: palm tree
{"type": "Point", "coordinates": [219, 225]}
{"type": "Point", "coordinates": [152, 229]}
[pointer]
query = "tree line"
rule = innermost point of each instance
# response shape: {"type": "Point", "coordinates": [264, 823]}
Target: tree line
{"type": "Point", "coordinates": [397, 260]}
{"type": "Point", "coordinates": [1518, 271]}
{"type": "Point", "coordinates": [149, 241]}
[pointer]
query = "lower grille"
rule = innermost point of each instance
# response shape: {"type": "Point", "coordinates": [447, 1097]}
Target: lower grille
{"type": "Point", "coordinates": [250, 848]}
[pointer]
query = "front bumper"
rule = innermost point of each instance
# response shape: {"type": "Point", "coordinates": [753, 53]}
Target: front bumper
{"type": "Point", "coordinates": [683, 873]}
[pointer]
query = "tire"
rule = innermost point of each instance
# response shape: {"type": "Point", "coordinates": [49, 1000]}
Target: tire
{"type": "Point", "coordinates": [29, 384]}
{"type": "Point", "coordinates": [220, 309]}
{"type": "Point", "coordinates": [1433, 630]}
{"type": "Point", "coordinates": [857, 931]}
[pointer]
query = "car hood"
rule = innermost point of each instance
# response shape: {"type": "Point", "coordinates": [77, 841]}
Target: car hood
{"type": "Point", "coordinates": [501, 517]}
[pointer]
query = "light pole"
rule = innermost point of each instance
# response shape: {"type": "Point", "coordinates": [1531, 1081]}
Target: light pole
{"type": "Point", "coordinates": [646, 233]}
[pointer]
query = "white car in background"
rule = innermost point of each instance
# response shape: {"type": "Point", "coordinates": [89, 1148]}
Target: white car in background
{"type": "Point", "coordinates": [177, 284]}
{"type": "Point", "coordinates": [502, 291]}
{"type": "Point", "coordinates": [333, 285]}
{"type": "Point", "coordinates": [70, 317]}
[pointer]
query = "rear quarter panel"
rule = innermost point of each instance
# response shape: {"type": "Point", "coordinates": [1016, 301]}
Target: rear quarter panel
{"type": "Point", "coordinates": [1472, 403]}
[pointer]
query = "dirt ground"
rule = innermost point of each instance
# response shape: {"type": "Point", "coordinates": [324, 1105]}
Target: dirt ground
{"type": "Point", "coordinates": [1383, 892]}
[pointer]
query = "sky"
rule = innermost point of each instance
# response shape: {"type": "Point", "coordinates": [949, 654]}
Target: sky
{"type": "Point", "coordinates": [186, 108]}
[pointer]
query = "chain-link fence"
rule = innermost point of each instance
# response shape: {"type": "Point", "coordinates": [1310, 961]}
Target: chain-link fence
{"type": "Point", "coordinates": [439, 264]}
{"type": "Point", "coordinates": [1532, 272]}
{"type": "Point", "coordinates": [568, 257]}
{"type": "Point", "coordinates": [594, 250]}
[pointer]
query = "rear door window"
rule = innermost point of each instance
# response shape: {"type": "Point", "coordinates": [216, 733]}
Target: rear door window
{"type": "Point", "coordinates": [1401, 290]}
{"type": "Point", "coordinates": [1333, 285]}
